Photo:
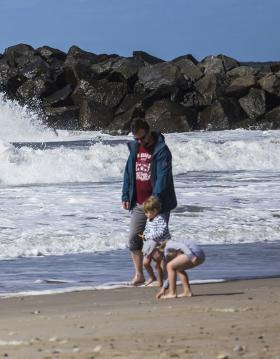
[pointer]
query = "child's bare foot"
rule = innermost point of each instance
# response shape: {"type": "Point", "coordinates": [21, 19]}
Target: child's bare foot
{"type": "Point", "coordinates": [138, 280]}
{"type": "Point", "coordinates": [185, 294]}
{"type": "Point", "coordinates": [169, 296]}
{"type": "Point", "coordinates": [150, 282]}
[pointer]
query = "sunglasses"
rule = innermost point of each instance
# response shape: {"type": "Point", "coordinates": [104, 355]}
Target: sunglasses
{"type": "Point", "coordinates": [140, 139]}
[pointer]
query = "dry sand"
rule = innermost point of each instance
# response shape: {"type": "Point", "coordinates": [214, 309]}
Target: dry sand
{"type": "Point", "coordinates": [223, 320]}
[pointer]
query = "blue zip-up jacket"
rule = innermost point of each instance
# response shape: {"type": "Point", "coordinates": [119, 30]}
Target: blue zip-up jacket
{"type": "Point", "coordinates": [161, 175]}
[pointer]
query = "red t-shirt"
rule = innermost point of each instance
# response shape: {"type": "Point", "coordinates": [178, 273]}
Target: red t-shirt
{"type": "Point", "coordinates": [144, 187]}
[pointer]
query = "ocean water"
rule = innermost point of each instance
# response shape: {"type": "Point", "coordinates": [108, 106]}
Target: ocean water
{"type": "Point", "coordinates": [62, 225]}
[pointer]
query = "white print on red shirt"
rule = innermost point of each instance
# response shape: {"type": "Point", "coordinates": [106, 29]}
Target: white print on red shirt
{"type": "Point", "coordinates": [143, 167]}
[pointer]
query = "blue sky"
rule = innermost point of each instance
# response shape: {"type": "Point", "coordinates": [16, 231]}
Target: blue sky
{"type": "Point", "coordinates": [247, 30]}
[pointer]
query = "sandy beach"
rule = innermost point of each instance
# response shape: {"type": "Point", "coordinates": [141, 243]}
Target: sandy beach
{"type": "Point", "coordinates": [223, 320]}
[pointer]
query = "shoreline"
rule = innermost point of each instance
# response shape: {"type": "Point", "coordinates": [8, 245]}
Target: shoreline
{"type": "Point", "coordinates": [223, 320]}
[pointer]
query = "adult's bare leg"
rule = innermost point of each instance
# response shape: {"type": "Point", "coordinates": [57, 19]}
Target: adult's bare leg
{"type": "Point", "coordinates": [137, 258]}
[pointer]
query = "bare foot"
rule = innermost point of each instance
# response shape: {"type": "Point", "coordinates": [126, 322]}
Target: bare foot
{"type": "Point", "coordinates": [169, 296]}
{"type": "Point", "coordinates": [185, 294]}
{"type": "Point", "coordinates": [138, 280]}
{"type": "Point", "coordinates": [161, 293]}
{"type": "Point", "coordinates": [150, 282]}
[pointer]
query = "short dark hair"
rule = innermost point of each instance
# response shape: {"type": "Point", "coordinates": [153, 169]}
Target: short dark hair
{"type": "Point", "coordinates": [138, 124]}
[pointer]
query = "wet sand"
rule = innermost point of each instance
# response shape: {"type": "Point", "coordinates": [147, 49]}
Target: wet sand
{"type": "Point", "coordinates": [223, 320]}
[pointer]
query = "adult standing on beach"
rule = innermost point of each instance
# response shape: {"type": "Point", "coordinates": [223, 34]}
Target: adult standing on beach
{"type": "Point", "coordinates": [148, 172]}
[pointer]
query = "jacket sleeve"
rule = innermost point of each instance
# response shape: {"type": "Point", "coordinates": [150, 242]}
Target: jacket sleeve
{"type": "Point", "coordinates": [125, 189]}
{"type": "Point", "coordinates": [163, 172]}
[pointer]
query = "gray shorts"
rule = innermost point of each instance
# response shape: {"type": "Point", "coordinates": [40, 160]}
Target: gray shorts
{"type": "Point", "coordinates": [137, 226]}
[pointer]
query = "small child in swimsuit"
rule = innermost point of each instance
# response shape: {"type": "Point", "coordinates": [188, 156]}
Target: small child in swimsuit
{"type": "Point", "coordinates": [180, 255]}
{"type": "Point", "coordinates": [155, 235]}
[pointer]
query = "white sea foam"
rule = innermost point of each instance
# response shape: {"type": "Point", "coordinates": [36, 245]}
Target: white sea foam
{"type": "Point", "coordinates": [66, 199]}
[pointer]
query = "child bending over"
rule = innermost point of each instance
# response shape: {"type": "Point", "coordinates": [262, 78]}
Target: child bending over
{"type": "Point", "coordinates": [180, 255]}
{"type": "Point", "coordinates": [155, 235]}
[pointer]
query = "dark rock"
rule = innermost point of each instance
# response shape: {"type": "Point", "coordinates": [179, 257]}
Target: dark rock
{"type": "Point", "coordinates": [146, 58]}
{"type": "Point", "coordinates": [60, 98]}
{"type": "Point", "coordinates": [242, 71]}
{"type": "Point", "coordinates": [15, 54]}
{"type": "Point", "coordinates": [271, 83]}
{"type": "Point", "coordinates": [259, 66]}
{"type": "Point", "coordinates": [221, 115]}
{"type": "Point", "coordinates": [273, 117]}
{"type": "Point", "coordinates": [210, 87]}
{"type": "Point", "coordinates": [127, 67]}
{"type": "Point", "coordinates": [34, 67]}
{"type": "Point", "coordinates": [128, 102]}
{"type": "Point", "coordinates": [160, 75]}
{"type": "Point", "coordinates": [228, 62]}
{"type": "Point", "coordinates": [121, 123]}
{"type": "Point", "coordinates": [186, 57]}
{"type": "Point", "coordinates": [94, 116]}
{"type": "Point", "coordinates": [253, 104]}
{"type": "Point", "coordinates": [49, 54]}
{"type": "Point", "coordinates": [275, 67]}
{"type": "Point", "coordinates": [32, 89]}
{"type": "Point", "coordinates": [190, 71]}
{"type": "Point", "coordinates": [4, 73]}
{"type": "Point", "coordinates": [193, 99]}
{"type": "Point", "coordinates": [241, 85]}
{"type": "Point", "coordinates": [212, 65]}
{"type": "Point", "coordinates": [103, 92]}
{"type": "Point", "coordinates": [168, 116]}
{"type": "Point", "coordinates": [62, 117]}
{"type": "Point", "coordinates": [76, 54]}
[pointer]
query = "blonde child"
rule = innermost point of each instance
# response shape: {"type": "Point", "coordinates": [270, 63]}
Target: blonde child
{"type": "Point", "coordinates": [155, 235]}
{"type": "Point", "coordinates": [180, 255]}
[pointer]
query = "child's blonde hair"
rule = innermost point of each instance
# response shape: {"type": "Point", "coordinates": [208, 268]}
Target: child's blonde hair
{"type": "Point", "coordinates": [151, 204]}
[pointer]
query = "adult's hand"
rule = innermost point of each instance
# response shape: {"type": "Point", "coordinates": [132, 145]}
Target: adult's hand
{"type": "Point", "coordinates": [125, 205]}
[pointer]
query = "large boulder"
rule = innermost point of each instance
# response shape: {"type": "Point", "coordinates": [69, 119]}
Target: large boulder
{"type": "Point", "coordinates": [273, 117]}
{"type": "Point", "coordinates": [4, 73]}
{"type": "Point", "coordinates": [146, 58]}
{"type": "Point", "coordinates": [160, 75]}
{"type": "Point", "coordinates": [228, 62]}
{"type": "Point", "coordinates": [253, 104]}
{"type": "Point", "coordinates": [221, 115]}
{"type": "Point", "coordinates": [242, 71]}
{"type": "Point", "coordinates": [271, 83]}
{"type": "Point", "coordinates": [210, 87]}
{"type": "Point", "coordinates": [168, 116]}
{"type": "Point", "coordinates": [212, 65]}
{"type": "Point", "coordinates": [33, 89]}
{"type": "Point", "coordinates": [190, 71]}
{"type": "Point", "coordinates": [60, 98]}
{"type": "Point", "coordinates": [94, 116]}
{"type": "Point", "coordinates": [63, 117]}
{"type": "Point", "coordinates": [18, 54]}
{"type": "Point", "coordinates": [129, 101]}
{"type": "Point", "coordinates": [241, 85]}
{"type": "Point", "coordinates": [104, 92]}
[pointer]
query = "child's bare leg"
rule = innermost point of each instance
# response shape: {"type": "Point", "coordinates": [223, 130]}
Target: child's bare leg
{"type": "Point", "coordinates": [149, 269]}
{"type": "Point", "coordinates": [186, 285]}
{"type": "Point", "coordinates": [157, 257]}
{"type": "Point", "coordinates": [172, 281]}
{"type": "Point", "coordinates": [160, 274]}
{"type": "Point", "coordinates": [179, 263]}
